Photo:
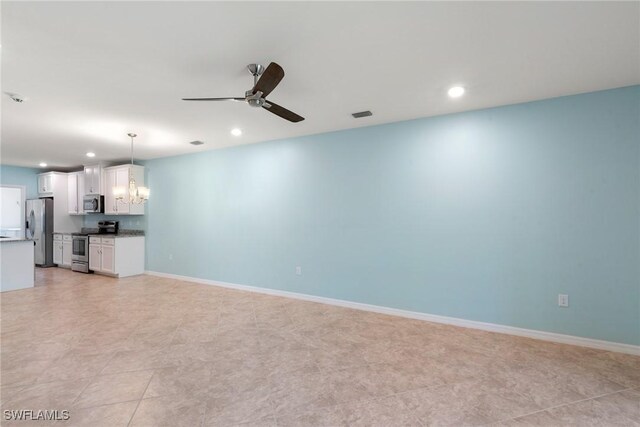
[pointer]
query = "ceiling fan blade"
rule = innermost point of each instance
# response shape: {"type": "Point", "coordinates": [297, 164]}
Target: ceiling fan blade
{"type": "Point", "coordinates": [269, 79]}
{"type": "Point", "coordinates": [213, 99]}
{"type": "Point", "coordinates": [283, 112]}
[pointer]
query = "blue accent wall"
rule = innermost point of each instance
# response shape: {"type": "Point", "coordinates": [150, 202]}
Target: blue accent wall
{"type": "Point", "coordinates": [15, 175]}
{"type": "Point", "coordinates": [485, 215]}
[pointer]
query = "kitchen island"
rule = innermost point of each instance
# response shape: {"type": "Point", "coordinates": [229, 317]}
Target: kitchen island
{"type": "Point", "coordinates": [17, 266]}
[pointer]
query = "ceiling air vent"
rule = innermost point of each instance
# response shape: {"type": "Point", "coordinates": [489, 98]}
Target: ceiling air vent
{"type": "Point", "coordinates": [361, 114]}
{"type": "Point", "coordinates": [196, 142]}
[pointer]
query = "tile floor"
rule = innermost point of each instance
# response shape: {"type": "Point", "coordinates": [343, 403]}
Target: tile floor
{"type": "Point", "coordinates": [148, 351]}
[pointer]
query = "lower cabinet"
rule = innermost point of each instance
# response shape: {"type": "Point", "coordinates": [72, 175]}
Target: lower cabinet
{"type": "Point", "coordinates": [62, 248]}
{"type": "Point", "coordinates": [95, 263]}
{"type": "Point", "coordinates": [116, 256]}
{"type": "Point", "coordinates": [107, 259]}
{"type": "Point", "coordinates": [67, 248]}
{"type": "Point", "coordinates": [57, 249]}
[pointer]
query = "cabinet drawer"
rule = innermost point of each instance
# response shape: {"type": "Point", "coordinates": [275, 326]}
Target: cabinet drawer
{"type": "Point", "coordinates": [108, 241]}
{"type": "Point", "coordinates": [94, 239]}
{"type": "Point", "coordinates": [67, 237]}
{"type": "Point", "coordinates": [57, 237]}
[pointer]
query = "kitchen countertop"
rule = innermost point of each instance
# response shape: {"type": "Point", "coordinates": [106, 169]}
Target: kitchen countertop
{"type": "Point", "coordinates": [119, 235]}
{"type": "Point", "coordinates": [93, 232]}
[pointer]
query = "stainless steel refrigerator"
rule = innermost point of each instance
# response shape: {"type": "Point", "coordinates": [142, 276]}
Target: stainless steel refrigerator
{"type": "Point", "coordinates": [39, 227]}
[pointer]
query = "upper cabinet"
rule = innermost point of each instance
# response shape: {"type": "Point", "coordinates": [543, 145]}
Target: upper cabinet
{"type": "Point", "coordinates": [119, 176]}
{"type": "Point", "coordinates": [93, 179]}
{"type": "Point", "coordinates": [75, 192]}
{"type": "Point", "coordinates": [46, 184]}
{"type": "Point", "coordinates": [56, 185]}
{"type": "Point", "coordinates": [110, 206]}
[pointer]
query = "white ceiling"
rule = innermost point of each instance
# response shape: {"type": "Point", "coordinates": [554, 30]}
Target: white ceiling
{"type": "Point", "coordinates": [93, 71]}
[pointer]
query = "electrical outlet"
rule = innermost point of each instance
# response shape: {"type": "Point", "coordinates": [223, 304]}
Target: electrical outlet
{"type": "Point", "coordinates": [298, 271]}
{"type": "Point", "coordinates": [170, 257]}
{"type": "Point", "coordinates": [563, 300]}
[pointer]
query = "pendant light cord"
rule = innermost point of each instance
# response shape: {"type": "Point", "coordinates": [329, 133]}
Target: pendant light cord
{"type": "Point", "coordinates": [132, 135]}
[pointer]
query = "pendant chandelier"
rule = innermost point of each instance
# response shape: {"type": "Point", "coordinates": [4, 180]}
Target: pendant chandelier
{"type": "Point", "coordinates": [137, 195]}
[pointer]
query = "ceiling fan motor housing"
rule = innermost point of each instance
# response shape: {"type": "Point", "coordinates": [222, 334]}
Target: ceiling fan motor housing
{"type": "Point", "coordinates": [254, 99]}
{"type": "Point", "coordinates": [256, 102]}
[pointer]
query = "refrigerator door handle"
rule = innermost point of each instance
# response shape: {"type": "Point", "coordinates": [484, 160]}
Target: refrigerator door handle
{"type": "Point", "coordinates": [30, 224]}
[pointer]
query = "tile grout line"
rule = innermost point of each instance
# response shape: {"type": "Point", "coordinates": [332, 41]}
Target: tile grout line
{"type": "Point", "coordinates": [562, 405]}
{"type": "Point", "coordinates": [91, 379]}
{"type": "Point", "coordinates": [107, 404]}
{"type": "Point", "coordinates": [133, 414]}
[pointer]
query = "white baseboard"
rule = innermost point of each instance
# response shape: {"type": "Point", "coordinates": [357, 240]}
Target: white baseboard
{"type": "Point", "coordinates": [491, 327]}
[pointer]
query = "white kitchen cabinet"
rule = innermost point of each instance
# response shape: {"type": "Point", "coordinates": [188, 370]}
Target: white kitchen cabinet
{"type": "Point", "coordinates": [122, 180]}
{"type": "Point", "coordinates": [62, 248]}
{"type": "Point", "coordinates": [117, 256]}
{"type": "Point", "coordinates": [67, 248]}
{"type": "Point", "coordinates": [95, 263]}
{"type": "Point", "coordinates": [57, 249]}
{"type": "Point", "coordinates": [119, 176]}
{"type": "Point", "coordinates": [110, 206]}
{"type": "Point", "coordinates": [107, 259]}
{"type": "Point", "coordinates": [75, 193]}
{"type": "Point", "coordinates": [93, 179]}
{"type": "Point", "coordinates": [46, 184]}
{"type": "Point", "coordinates": [72, 193]}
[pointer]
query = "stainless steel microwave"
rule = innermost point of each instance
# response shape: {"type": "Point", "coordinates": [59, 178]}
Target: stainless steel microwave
{"type": "Point", "coordinates": [93, 203]}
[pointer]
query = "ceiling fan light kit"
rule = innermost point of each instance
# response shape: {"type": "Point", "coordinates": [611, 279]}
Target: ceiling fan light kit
{"type": "Point", "coordinates": [265, 81]}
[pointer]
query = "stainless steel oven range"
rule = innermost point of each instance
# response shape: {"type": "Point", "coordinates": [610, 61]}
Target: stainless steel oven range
{"type": "Point", "coordinates": [80, 252]}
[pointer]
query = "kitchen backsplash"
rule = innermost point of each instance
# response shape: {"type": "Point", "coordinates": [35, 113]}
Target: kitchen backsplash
{"type": "Point", "coordinates": [137, 222]}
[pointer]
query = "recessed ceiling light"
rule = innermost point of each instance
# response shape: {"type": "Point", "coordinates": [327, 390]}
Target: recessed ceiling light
{"type": "Point", "coordinates": [456, 91]}
{"type": "Point", "coordinates": [43, 165]}
{"type": "Point", "coordinates": [91, 154]}
{"type": "Point", "coordinates": [236, 132]}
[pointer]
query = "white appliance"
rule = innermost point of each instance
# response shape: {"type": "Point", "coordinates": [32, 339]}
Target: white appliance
{"type": "Point", "coordinates": [39, 228]}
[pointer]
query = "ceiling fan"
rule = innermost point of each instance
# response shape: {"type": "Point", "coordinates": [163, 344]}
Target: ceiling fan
{"type": "Point", "coordinates": [264, 81]}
